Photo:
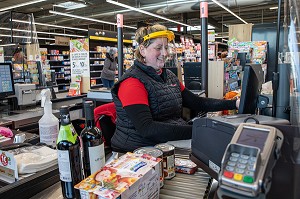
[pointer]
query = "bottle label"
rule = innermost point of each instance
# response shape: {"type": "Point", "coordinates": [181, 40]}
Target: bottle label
{"type": "Point", "coordinates": [48, 134]}
{"type": "Point", "coordinates": [64, 165]}
{"type": "Point", "coordinates": [97, 157]}
{"type": "Point", "coordinates": [67, 133]}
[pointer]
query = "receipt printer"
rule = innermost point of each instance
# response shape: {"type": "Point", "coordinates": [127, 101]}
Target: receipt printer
{"type": "Point", "coordinates": [26, 94]}
{"type": "Point", "coordinates": [211, 136]}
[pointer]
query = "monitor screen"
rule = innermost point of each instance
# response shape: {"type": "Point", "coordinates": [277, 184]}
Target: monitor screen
{"type": "Point", "coordinates": [191, 73]}
{"type": "Point", "coordinates": [6, 80]}
{"type": "Point", "coordinates": [253, 137]}
{"type": "Point", "coordinates": [253, 78]}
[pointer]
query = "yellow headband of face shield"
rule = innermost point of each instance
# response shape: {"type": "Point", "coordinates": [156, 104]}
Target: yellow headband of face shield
{"type": "Point", "coordinates": [165, 33]}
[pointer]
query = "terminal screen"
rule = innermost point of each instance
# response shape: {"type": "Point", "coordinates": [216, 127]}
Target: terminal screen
{"type": "Point", "coordinates": [253, 137]}
{"type": "Point", "coordinates": [6, 82]}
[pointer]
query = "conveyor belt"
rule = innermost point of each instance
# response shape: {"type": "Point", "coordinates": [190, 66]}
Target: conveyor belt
{"type": "Point", "coordinates": [185, 186]}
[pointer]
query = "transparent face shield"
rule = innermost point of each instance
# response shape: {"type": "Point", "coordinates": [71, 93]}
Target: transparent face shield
{"type": "Point", "coordinates": [161, 53]}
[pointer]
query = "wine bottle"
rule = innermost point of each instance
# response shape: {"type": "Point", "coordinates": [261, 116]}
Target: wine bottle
{"type": "Point", "coordinates": [93, 145]}
{"type": "Point", "coordinates": [68, 153]}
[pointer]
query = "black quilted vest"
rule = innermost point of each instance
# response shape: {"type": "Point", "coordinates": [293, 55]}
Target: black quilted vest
{"type": "Point", "coordinates": [165, 103]}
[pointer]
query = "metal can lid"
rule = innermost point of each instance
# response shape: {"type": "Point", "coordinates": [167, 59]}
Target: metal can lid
{"type": "Point", "coordinates": [150, 151]}
{"type": "Point", "coordinates": [165, 147]}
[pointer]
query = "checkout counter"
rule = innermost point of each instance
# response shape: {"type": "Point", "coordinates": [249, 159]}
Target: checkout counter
{"type": "Point", "coordinates": [29, 111]}
{"type": "Point", "coordinates": [45, 184]}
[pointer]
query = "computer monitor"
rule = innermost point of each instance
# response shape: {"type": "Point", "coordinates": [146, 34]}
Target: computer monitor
{"type": "Point", "coordinates": [253, 78]}
{"type": "Point", "coordinates": [6, 80]}
{"type": "Point", "coordinates": [191, 72]}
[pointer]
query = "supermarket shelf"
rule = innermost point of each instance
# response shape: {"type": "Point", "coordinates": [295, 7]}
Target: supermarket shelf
{"type": "Point", "coordinates": [96, 52]}
{"type": "Point", "coordinates": [95, 77]}
{"type": "Point", "coordinates": [59, 60]}
{"type": "Point", "coordinates": [63, 84]}
{"type": "Point", "coordinates": [96, 64]}
{"type": "Point", "coordinates": [57, 55]}
{"type": "Point", "coordinates": [56, 66]}
{"type": "Point", "coordinates": [97, 85]}
{"type": "Point", "coordinates": [93, 58]}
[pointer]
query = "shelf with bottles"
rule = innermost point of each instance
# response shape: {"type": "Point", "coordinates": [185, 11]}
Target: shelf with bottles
{"type": "Point", "coordinates": [21, 74]}
{"type": "Point", "coordinates": [128, 57]}
{"type": "Point", "coordinates": [190, 53]}
{"type": "Point", "coordinates": [98, 47]}
{"type": "Point", "coordinates": [34, 67]}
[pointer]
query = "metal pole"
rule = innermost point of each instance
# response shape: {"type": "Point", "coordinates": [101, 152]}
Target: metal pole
{"type": "Point", "coordinates": [120, 45]}
{"type": "Point", "coordinates": [278, 34]}
{"type": "Point", "coordinates": [11, 27]}
{"type": "Point", "coordinates": [275, 81]}
{"type": "Point", "coordinates": [204, 45]}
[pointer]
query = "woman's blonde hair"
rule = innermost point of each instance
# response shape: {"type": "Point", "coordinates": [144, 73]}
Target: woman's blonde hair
{"type": "Point", "coordinates": [140, 33]}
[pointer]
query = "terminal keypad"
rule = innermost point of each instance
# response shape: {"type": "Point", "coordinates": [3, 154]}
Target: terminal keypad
{"type": "Point", "coordinates": [240, 167]}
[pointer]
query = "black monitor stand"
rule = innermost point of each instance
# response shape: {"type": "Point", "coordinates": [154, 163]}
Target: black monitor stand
{"type": "Point", "coordinates": [8, 104]}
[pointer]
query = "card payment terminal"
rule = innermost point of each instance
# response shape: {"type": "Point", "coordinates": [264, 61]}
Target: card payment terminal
{"type": "Point", "coordinates": [248, 161]}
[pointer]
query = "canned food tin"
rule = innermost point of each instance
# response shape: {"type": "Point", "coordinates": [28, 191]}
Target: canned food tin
{"type": "Point", "coordinates": [154, 153]}
{"type": "Point", "coordinates": [168, 159]}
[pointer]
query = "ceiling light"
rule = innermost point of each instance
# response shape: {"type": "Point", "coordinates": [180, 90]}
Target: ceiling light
{"type": "Point", "coordinates": [145, 12]}
{"type": "Point", "coordinates": [3, 45]}
{"type": "Point", "coordinates": [274, 8]}
{"type": "Point", "coordinates": [69, 5]}
{"type": "Point", "coordinates": [27, 37]}
{"type": "Point", "coordinates": [21, 5]}
{"type": "Point", "coordinates": [222, 37]}
{"type": "Point", "coordinates": [86, 18]}
{"type": "Point", "coordinates": [222, 6]}
{"type": "Point", "coordinates": [50, 25]}
{"type": "Point", "coordinates": [39, 32]}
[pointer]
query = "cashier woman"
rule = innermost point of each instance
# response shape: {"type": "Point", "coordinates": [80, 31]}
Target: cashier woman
{"type": "Point", "coordinates": [149, 97]}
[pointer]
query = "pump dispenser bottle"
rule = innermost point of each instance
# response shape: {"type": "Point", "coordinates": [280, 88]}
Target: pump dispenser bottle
{"type": "Point", "coordinates": [48, 124]}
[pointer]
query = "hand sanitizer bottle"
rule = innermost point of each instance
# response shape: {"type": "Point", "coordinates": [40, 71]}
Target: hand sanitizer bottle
{"type": "Point", "coordinates": [48, 124]}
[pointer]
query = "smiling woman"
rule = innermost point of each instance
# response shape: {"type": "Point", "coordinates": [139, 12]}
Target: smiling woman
{"type": "Point", "coordinates": [149, 97]}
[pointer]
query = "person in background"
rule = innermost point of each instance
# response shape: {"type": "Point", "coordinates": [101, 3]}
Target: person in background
{"type": "Point", "coordinates": [108, 73]}
{"type": "Point", "coordinates": [149, 97]}
{"type": "Point", "coordinates": [19, 57]}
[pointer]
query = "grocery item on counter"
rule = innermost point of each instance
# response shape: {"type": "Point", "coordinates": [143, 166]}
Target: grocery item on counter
{"type": "Point", "coordinates": [168, 159]}
{"type": "Point", "coordinates": [130, 176]}
{"type": "Point", "coordinates": [156, 153]}
{"type": "Point", "coordinates": [185, 166]}
{"type": "Point", "coordinates": [92, 142]}
{"type": "Point", "coordinates": [68, 153]}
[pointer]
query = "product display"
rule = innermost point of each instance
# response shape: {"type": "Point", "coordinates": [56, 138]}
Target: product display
{"type": "Point", "coordinates": [58, 57]}
{"type": "Point", "coordinates": [68, 153]}
{"type": "Point", "coordinates": [92, 143]}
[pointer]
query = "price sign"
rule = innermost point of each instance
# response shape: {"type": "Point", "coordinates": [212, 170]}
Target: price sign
{"type": "Point", "coordinates": [203, 9]}
{"type": "Point", "coordinates": [80, 64]}
{"type": "Point", "coordinates": [120, 20]}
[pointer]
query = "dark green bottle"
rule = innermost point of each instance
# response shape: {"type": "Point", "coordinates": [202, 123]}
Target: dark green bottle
{"type": "Point", "coordinates": [68, 153]}
{"type": "Point", "coordinates": [92, 142]}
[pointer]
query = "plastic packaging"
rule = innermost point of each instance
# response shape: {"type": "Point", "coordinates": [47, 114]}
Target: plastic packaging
{"type": "Point", "coordinates": [48, 124]}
